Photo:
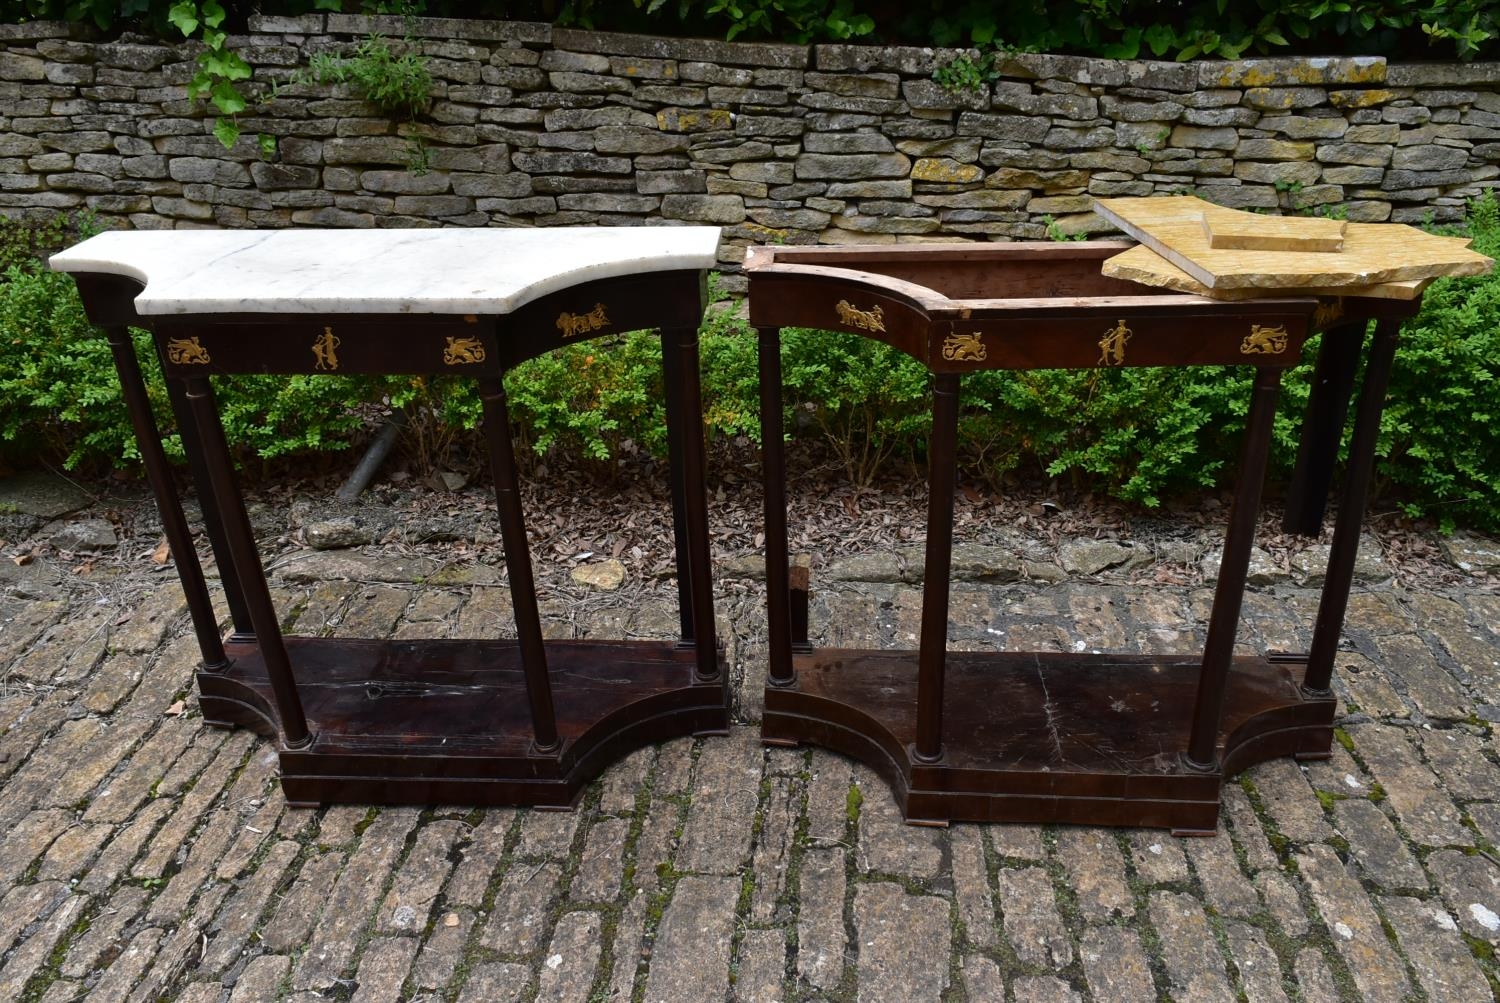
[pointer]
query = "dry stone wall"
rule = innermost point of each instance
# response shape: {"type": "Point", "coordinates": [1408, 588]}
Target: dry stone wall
{"type": "Point", "coordinates": [537, 126]}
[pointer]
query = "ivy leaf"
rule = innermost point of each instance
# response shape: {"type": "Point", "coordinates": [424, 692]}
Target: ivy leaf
{"type": "Point", "coordinates": [227, 131]}
{"type": "Point", "coordinates": [225, 65]}
{"type": "Point", "coordinates": [199, 85]}
{"type": "Point", "coordinates": [213, 13]}
{"type": "Point", "coordinates": [185, 16]}
{"type": "Point", "coordinates": [267, 144]}
{"type": "Point", "coordinates": [1128, 47]}
{"type": "Point", "coordinates": [100, 13]}
{"type": "Point", "coordinates": [333, 5]}
{"type": "Point", "coordinates": [228, 100]}
{"type": "Point", "coordinates": [1232, 50]}
{"type": "Point", "coordinates": [1160, 38]}
{"type": "Point", "coordinates": [237, 68]}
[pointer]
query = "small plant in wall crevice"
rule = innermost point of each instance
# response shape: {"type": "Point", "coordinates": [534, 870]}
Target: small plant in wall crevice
{"type": "Point", "coordinates": [400, 85]}
{"type": "Point", "coordinates": [968, 72]}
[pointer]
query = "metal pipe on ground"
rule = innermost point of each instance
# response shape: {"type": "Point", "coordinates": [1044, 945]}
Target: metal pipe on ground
{"type": "Point", "coordinates": [373, 458]}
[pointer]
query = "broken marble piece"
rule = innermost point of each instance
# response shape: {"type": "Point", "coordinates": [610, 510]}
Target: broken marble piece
{"type": "Point", "coordinates": [1373, 253]}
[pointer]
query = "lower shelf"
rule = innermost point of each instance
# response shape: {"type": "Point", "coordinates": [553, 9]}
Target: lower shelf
{"type": "Point", "coordinates": [447, 722]}
{"type": "Point", "coordinates": [1042, 737]}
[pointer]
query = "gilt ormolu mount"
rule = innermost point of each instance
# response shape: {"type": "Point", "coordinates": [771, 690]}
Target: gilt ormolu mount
{"type": "Point", "coordinates": [479, 721]}
{"type": "Point", "coordinates": [1048, 737]}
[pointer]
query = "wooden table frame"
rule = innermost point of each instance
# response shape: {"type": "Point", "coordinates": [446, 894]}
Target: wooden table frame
{"type": "Point", "coordinates": [1048, 737]}
{"type": "Point", "coordinates": [488, 721]}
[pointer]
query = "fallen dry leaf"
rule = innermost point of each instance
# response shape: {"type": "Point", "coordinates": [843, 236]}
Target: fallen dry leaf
{"type": "Point", "coordinates": [162, 554]}
{"type": "Point", "coordinates": [176, 709]}
{"type": "Point", "coordinates": [21, 560]}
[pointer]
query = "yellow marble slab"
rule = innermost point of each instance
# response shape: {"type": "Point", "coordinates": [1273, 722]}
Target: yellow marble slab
{"type": "Point", "coordinates": [1252, 232]}
{"type": "Point", "coordinates": [1373, 253]}
{"type": "Point", "coordinates": [1143, 265]}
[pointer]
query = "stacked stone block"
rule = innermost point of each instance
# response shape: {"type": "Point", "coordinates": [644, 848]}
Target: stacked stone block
{"type": "Point", "coordinates": [532, 125]}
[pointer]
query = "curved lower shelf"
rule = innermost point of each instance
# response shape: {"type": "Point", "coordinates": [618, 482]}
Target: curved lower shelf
{"type": "Point", "coordinates": [1045, 737]}
{"type": "Point", "coordinates": [436, 721]}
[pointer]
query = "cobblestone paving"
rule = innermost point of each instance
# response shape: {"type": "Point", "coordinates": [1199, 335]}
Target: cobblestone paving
{"type": "Point", "coordinates": [146, 856]}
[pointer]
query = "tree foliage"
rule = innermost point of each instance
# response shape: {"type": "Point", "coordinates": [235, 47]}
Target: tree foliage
{"type": "Point", "coordinates": [1123, 29]}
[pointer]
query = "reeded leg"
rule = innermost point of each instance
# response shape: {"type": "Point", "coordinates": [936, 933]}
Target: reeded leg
{"type": "Point", "coordinates": [241, 543]}
{"type": "Point", "coordinates": [692, 483]}
{"type": "Point", "coordinates": [1229, 594]}
{"type": "Point", "coordinates": [518, 566]}
{"type": "Point", "coordinates": [1335, 601]}
{"type": "Point", "coordinates": [174, 523]}
{"type": "Point", "coordinates": [1323, 428]}
{"type": "Point", "coordinates": [773, 476]}
{"type": "Point", "coordinates": [942, 472]}
{"type": "Point", "coordinates": [213, 523]}
{"type": "Point", "coordinates": [671, 372]}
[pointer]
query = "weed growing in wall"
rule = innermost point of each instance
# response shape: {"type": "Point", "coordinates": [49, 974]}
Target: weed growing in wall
{"type": "Point", "coordinates": [399, 84]}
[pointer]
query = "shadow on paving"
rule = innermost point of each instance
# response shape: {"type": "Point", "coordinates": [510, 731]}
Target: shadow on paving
{"type": "Point", "coordinates": [148, 857]}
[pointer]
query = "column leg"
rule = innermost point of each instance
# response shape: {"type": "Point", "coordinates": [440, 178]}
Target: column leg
{"type": "Point", "coordinates": [941, 474]}
{"type": "Point", "coordinates": [518, 566]}
{"type": "Point", "coordinates": [1323, 428]}
{"type": "Point", "coordinates": [168, 504]}
{"type": "Point", "coordinates": [677, 424]}
{"type": "Point", "coordinates": [773, 480]}
{"type": "Point", "coordinates": [694, 486]}
{"type": "Point", "coordinates": [1229, 594]}
{"type": "Point", "coordinates": [1335, 601]}
{"type": "Point", "coordinates": [213, 523]}
{"type": "Point", "coordinates": [241, 543]}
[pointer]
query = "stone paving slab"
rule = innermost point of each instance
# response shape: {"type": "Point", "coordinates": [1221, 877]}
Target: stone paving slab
{"type": "Point", "coordinates": [147, 857]}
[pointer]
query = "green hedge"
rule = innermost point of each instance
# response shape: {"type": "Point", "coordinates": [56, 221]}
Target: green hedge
{"type": "Point", "coordinates": [1142, 435]}
{"type": "Point", "coordinates": [60, 399]}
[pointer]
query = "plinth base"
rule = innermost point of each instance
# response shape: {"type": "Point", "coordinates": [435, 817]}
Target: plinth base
{"type": "Point", "coordinates": [1042, 737]}
{"type": "Point", "coordinates": [447, 722]}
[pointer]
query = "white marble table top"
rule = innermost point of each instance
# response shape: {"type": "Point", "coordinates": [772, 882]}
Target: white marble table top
{"type": "Point", "coordinates": [447, 271]}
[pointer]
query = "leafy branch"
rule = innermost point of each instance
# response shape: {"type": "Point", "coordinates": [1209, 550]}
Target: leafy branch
{"type": "Point", "coordinates": [220, 68]}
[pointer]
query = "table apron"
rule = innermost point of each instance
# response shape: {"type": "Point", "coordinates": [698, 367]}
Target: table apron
{"type": "Point", "coordinates": [329, 345]}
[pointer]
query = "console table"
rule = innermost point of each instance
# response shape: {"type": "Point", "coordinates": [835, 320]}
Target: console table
{"type": "Point", "coordinates": [482, 721]}
{"type": "Point", "coordinates": [1049, 737]}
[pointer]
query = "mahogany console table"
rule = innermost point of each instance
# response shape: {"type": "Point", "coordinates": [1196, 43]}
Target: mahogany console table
{"type": "Point", "coordinates": [1047, 737]}
{"type": "Point", "coordinates": [484, 721]}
